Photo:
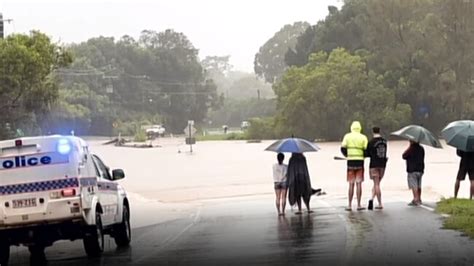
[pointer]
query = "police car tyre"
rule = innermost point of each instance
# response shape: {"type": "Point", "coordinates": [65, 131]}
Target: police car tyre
{"type": "Point", "coordinates": [122, 231]}
{"type": "Point", "coordinates": [37, 254]}
{"type": "Point", "coordinates": [4, 254]}
{"type": "Point", "coordinates": [94, 239]}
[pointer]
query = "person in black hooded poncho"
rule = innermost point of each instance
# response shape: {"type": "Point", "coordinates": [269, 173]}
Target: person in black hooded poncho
{"type": "Point", "coordinates": [299, 183]}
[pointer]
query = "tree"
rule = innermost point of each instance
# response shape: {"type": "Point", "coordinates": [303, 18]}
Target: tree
{"type": "Point", "coordinates": [270, 60]}
{"type": "Point", "coordinates": [420, 48]}
{"type": "Point", "coordinates": [27, 86]}
{"type": "Point", "coordinates": [157, 79]}
{"type": "Point", "coordinates": [341, 28]}
{"type": "Point", "coordinates": [320, 99]}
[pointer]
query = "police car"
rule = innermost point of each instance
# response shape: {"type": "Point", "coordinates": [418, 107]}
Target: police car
{"type": "Point", "coordinates": [52, 188]}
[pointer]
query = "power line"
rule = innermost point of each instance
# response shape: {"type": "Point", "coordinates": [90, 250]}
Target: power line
{"type": "Point", "coordinates": [92, 72]}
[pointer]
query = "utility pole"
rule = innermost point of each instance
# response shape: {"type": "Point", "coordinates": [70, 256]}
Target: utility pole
{"type": "Point", "coordinates": [2, 32]}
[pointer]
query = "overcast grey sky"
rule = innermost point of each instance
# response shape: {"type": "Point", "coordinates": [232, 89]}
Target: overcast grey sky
{"type": "Point", "coordinates": [216, 27]}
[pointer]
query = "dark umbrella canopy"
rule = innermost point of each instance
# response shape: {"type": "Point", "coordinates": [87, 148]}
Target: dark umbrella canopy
{"type": "Point", "coordinates": [460, 134]}
{"type": "Point", "coordinates": [418, 134]}
{"type": "Point", "coordinates": [293, 145]}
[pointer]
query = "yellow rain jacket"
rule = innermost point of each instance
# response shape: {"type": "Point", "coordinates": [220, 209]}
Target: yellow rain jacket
{"type": "Point", "coordinates": [355, 142]}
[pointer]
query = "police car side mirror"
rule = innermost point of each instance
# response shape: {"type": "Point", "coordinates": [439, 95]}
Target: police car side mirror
{"type": "Point", "coordinates": [118, 174]}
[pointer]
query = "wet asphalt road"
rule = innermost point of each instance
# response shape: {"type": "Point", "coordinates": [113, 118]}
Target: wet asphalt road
{"type": "Point", "coordinates": [247, 231]}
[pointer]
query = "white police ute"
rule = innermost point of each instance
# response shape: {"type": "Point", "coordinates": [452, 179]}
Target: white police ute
{"type": "Point", "coordinates": [52, 188]}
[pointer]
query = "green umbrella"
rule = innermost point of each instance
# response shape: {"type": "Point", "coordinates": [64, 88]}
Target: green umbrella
{"type": "Point", "coordinates": [460, 134]}
{"type": "Point", "coordinates": [418, 134]}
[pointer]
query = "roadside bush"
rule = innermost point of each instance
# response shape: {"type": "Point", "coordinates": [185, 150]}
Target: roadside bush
{"type": "Point", "coordinates": [140, 135]}
{"type": "Point", "coordinates": [262, 128]}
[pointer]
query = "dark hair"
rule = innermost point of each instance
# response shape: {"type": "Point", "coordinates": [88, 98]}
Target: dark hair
{"type": "Point", "coordinates": [280, 158]}
{"type": "Point", "coordinates": [376, 130]}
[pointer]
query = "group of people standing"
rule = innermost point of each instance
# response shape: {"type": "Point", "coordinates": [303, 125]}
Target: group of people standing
{"type": "Point", "coordinates": [294, 177]}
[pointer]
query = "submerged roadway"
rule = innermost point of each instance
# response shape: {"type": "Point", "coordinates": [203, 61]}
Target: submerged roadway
{"type": "Point", "coordinates": [246, 230]}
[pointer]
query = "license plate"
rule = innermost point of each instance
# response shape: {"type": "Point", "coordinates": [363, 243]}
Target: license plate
{"type": "Point", "coordinates": [24, 203]}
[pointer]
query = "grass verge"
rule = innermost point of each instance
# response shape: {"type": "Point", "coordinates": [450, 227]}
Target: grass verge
{"type": "Point", "coordinates": [461, 213]}
{"type": "Point", "coordinates": [230, 136]}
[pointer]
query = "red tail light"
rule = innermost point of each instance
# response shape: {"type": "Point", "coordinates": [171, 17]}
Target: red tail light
{"type": "Point", "coordinates": [70, 192]}
{"type": "Point", "coordinates": [18, 143]}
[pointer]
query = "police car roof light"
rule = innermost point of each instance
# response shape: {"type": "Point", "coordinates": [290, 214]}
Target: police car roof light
{"type": "Point", "coordinates": [64, 147]}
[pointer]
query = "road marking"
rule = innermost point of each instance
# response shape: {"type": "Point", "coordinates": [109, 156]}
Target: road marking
{"type": "Point", "coordinates": [172, 238]}
{"type": "Point", "coordinates": [350, 232]}
{"type": "Point", "coordinates": [427, 208]}
{"type": "Point", "coordinates": [194, 222]}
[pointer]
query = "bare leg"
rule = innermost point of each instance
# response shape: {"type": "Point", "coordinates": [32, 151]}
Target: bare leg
{"type": "Point", "coordinates": [298, 202]}
{"type": "Point", "coordinates": [374, 191]}
{"type": "Point", "coordinates": [419, 194]}
{"type": "Point", "coordinates": [377, 191]}
{"type": "Point", "coordinates": [351, 194]}
{"type": "Point", "coordinates": [415, 195]}
{"type": "Point", "coordinates": [277, 194]}
{"type": "Point", "coordinates": [359, 194]}
{"type": "Point", "coordinates": [456, 188]}
{"type": "Point", "coordinates": [283, 200]}
{"type": "Point", "coordinates": [306, 202]}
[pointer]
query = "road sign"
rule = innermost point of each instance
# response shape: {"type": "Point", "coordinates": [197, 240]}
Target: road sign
{"type": "Point", "coordinates": [190, 131]}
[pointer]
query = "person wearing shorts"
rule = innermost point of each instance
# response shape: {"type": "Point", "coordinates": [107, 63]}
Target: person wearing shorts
{"type": "Point", "coordinates": [280, 183]}
{"type": "Point", "coordinates": [353, 148]}
{"type": "Point", "coordinates": [415, 160]}
{"type": "Point", "coordinates": [377, 152]}
{"type": "Point", "coordinates": [466, 167]}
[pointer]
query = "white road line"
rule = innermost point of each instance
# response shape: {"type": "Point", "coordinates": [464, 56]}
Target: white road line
{"type": "Point", "coordinates": [350, 233]}
{"type": "Point", "coordinates": [427, 208]}
{"type": "Point", "coordinates": [172, 238]}
{"type": "Point", "coordinates": [195, 221]}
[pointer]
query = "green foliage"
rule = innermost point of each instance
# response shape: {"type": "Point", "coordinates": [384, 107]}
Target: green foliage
{"type": "Point", "coordinates": [461, 213]}
{"type": "Point", "coordinates": [262, 128]}
{"type": "Point", "coordinates": [125, 80]}
{"type": "Point", "coordinates": [230, 136]}
{"type": "Point", "coordinates": [270, 60]}
{"type": "Point", "coordinates": [27, 86]}
{"type": "Point", "coordinates": [421, 51]}
{"type": "Point", "coordinates": [320, 99]}
{"type": "Point", "coordinates": [140, 135]}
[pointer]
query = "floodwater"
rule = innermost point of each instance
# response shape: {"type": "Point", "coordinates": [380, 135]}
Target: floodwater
{"type": "Point", "coordinates": [222, 169]}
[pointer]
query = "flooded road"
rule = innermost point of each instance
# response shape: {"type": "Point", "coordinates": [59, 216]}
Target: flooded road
{"type": "Point", "coordinates": [215, 206]}
{"type": "Point", "coordinates": [235, 168]}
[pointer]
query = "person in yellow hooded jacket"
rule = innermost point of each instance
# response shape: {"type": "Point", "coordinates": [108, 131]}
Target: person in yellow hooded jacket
{"type": "Point", "coordinates": [353, 148]}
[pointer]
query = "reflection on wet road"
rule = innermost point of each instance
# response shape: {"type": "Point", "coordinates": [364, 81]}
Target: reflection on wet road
{"type": "Point", "coordinates": [247, 231]}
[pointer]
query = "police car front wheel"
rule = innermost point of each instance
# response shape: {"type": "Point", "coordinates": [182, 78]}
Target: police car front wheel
{"type": "Point", "coordinates": [94, 239]}
{"type": "Point", "coordinates": [122, 231]}
{"type": "Point", "coordinates": [4, 253]}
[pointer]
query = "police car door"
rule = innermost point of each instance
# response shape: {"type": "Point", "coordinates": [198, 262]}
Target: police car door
{"type": "Point", "coordinates": [107, 192]}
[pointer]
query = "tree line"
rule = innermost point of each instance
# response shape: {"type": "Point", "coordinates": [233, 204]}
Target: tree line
{"type": "Point", "coordinates": [102, 86]}
{"type": "Point", "coordinates": [386, 63]}
{"type": "Point", "coordinates": [106, 86]}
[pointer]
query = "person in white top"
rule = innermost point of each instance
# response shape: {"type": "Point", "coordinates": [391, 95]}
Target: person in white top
{"type": "Point", "coordinates": [280, 183]}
